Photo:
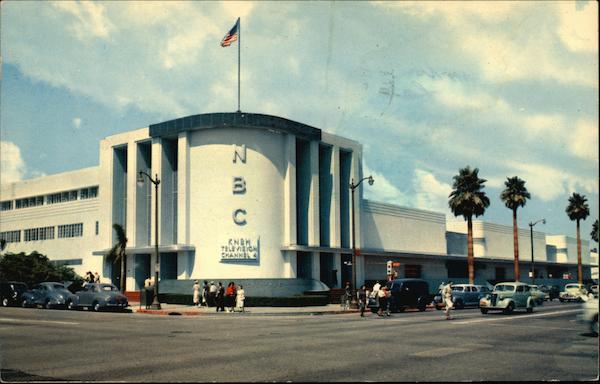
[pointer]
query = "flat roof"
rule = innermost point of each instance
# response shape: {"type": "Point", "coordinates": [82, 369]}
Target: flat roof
{"type": "Point", "coordinates": [234, 119]}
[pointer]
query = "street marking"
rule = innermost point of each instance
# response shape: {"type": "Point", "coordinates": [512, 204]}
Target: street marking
{"type": "Point", "coordinates": [517, 317]}
{"type": "Point", "coordinates": [4, 319]}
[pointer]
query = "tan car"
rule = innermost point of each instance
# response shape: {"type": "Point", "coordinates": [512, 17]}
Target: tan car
{"type": "Point", "coordinates": [573, 292]}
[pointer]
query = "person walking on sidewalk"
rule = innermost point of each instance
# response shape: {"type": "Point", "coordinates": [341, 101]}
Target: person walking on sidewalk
{"type": "Point", "coordinates": [230, 297]}
{"type": "Point", "coordinates": [382, 295]}
{"type": "Point", "coordinates": [205, 289]}
{"type": "Point", "coordinates": [220, 298]}
{"type": "Point", "coordinates": [361, 295]}
{"type": "Point", "coordinates": [212, 294]}
{"type": "Point", "coordinates": [196, 290]}
{"type": "Point", "coordinates": [447, 295]}
{"type": "Point", "coordinates": [240, 297]}
{"type": "Point", "coordinates": [347, 296]}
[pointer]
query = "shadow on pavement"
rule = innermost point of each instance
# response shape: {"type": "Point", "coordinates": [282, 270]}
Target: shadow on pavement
{"type": "Point", "coordinates": [12, 375]}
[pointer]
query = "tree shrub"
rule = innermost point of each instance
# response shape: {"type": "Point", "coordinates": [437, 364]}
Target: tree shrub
{"type": "Point", "coordinates": [33, 269]}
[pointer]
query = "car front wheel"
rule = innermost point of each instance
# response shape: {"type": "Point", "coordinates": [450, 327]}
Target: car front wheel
{"type": "Point", "coordinates": [510, 308]}
{"type": "Point", "coordinates": [484, 311]}
{"type": "Point", "coordinates": [70, 305]}
{"type": "Point", "coordinates": [5, 302]}
{"type": "Point", "coordinates": [96, 306]}
{"type": "Point", "coordinates": [47, 304]}
{"type": "Point", "coordinates": [24, 304]}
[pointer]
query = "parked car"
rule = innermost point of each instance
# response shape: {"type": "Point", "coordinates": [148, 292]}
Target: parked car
{"type": "Point", "coordinates": [99, 296]}
{"type": "Point", "coordinates": [538, 295]}
{"type": "Point", "coordinates": [48, 295]}
{"type": "Point", "coordinates": [552, 292]}
{"type": "Point", "coordinates": [590, 313]}
{"type": "Point", "coordinates": [408, 293]}
{"type": "Point", "coordinates": [11, 291]}
{"type": "Point", "coordinates": [594, 290]}
{"type": "Point", "coordinates": [462, 295]}
{"type": "Point", "coordinates": [507, 297]}
{"type": "Point", "coordinates": [573, 292]}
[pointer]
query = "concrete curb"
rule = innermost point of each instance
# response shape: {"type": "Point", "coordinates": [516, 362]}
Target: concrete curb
{"type": "Point", "coordinates": [249, 313]}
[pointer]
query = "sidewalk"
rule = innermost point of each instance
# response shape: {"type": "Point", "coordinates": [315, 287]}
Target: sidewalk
{"type": "Point", "coordinates": [190, 310]}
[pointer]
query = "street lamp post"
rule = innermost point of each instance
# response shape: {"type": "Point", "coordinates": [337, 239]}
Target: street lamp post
{"type": "Point", "coordinates": [155, 181]}
{"type": "Point", "coordinates": [353, 186]}
{"type": "Point", "coordinates": [531, 225]}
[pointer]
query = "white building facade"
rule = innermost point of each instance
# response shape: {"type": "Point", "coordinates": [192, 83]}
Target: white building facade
{"type": "Point", "coordinates": [247, 197]}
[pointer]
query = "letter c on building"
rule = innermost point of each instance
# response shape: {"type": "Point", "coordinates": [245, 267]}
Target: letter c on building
{"type": "Point", "coordinates": [236, 216]}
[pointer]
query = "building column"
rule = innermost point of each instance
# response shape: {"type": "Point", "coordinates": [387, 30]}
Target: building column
{"type": "Point", "coordinates": [315, 266]}
{"type": "Point", "coordinates": [290, 264]}
{"type": "Point", "coordinates": [183, 265]}
{"type": "Point", "coordinates": [356, 174]}
{"type": "Point", "coordinates": [335, 239]}
{"type": "Point", "coordinates": [313, 205]}
{"type": "Point", "coordinates": [289, 194]}
{"type": "Point", "coordinates": [132, 190]}
{"type": "Point", "coordinates": [157, 166]}
{"type": "Point", "coordinates": [183, 189]}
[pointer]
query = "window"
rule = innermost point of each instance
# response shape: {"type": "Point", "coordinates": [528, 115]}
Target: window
{"type": "Point", "coordinates": [97, 228]}
{"type": "Point", "coordinates": [27, 202]}
{"type": "Point", "coordinates": [33, 234]}
{"type": "Point", "coordinates": [7, 205]}
{"type": "Point", "coordinates": [457, 269]}
{"type": "Point", "coordinates": [520, 288]}
{"type": "Point", "coordinates": [70, 230]}
{"type": "Point", "coordinates": [11, 236]}
{"type": "Point", "coordinates": [500, 273]}
{"type": "Point", "coordinates": [88, 193]}
{"type": "Point", "coordinates": [458, 289]}
{"type": "Point", "coordinates": [413, 271]}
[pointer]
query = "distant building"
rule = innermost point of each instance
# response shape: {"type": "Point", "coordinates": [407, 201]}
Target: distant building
{"type": "Point", "coordinates": [256, 199]}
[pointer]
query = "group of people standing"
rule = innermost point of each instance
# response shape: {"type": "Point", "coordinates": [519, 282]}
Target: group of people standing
{"type": "Point", "coordinates": [91, 277]}
{"type": "Point", "coordinates": [225, 299]}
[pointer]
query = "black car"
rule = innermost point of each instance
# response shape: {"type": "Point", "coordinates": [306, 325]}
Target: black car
{"type": "Point", "coordinates": [551, 292]}
{"type": "Point", "coordinates": [408, 293]}
{"type": "Point", "coordinates": [10, 292]}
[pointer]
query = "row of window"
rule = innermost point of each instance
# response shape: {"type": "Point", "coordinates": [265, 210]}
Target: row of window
{"type": "Point", "coordinates": [44, 233]}
{"type": "Point", "coordinates": [53, 198]}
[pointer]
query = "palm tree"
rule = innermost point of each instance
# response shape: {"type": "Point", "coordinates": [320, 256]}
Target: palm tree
{"type": "Point", "coordinates": [594, 233]}
{"type": "Point", "coordinates": [514, 196]}
{"type": "Point", "coordinates": [117, 253]}
{"type": "Point", "coordinates": [468, 199]}
{"type": "Point", "coordinates": [578, 210]}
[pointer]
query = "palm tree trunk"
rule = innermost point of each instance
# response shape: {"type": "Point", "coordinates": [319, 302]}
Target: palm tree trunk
{"type": "Point", "coordinates": [579, 271]}
{"type": "Point", "coordinates": [470, 263]}
{"type": "Point", "coordinates": [123, 273]}
{"type": "Point", "coordinates": [516, 245]}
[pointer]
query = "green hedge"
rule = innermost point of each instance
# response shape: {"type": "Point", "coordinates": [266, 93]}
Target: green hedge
{"type": "Point", "coordinates": [294, 301]}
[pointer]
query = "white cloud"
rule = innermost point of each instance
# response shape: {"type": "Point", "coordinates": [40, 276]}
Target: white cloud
{"type": "Point", "coordinates": [583, 140]}
{"type": "Point", "coordinates": [12, 166]}
{"type": "Point", "coordinates": [578, 27]}
{"type": "Point", "coordinates": [382, 189]}
{"type": "Point", "coordinates": [90, 17]}
{"type": "Point", "coordinates": [431, 193]}
{"type": "Point", "coordinates": [548, 183]}
{"type": "Point", "coordinates": [77, 122]}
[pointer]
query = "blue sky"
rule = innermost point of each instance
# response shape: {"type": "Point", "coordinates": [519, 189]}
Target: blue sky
{"type": "Point", "coordinates": [427, 87]}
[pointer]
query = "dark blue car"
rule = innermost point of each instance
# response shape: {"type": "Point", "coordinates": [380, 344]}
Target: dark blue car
{"type": "Point", "coordinates": [49, 295]}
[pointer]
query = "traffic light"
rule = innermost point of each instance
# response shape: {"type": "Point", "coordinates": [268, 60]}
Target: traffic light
{"type": "Point", "coordinates": [389, 268]}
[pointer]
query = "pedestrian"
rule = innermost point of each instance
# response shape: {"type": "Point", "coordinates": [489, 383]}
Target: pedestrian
{"type": "Point", "coordinates": [388, 300]}
{"type": "Point", "coordinates": [347, 296]}
{"type": "Point", "coordinates": [212, 294]}
{"type": "Point", "coordinates": [230, 296]}
{"type": "Point", "coordinates": [205, 288]}
{"type": "Point", "coordinates": [220, 297]}
{"type": "Point", "coordinates": [382, 295]}
{"type": "Point", "coordinates": [196, 289]}
{"type": "Point", "coordinates": [447, 296]}
{"type": "Point", "coordinates": [361, 295]}
{"type": "Point", "coordinates": [89, 277]}
{"type": "Point", "coordinates": [96, 277]}
{"type": "Point", "coordinates": [240, 297]}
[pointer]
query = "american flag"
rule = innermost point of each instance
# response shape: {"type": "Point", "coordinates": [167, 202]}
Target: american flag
{"type": "Point", "coordinates": [232, 35]}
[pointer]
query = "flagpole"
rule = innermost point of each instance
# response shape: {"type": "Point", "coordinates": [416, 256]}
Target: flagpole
{"type": "Point", "coordinates": [239, 44]}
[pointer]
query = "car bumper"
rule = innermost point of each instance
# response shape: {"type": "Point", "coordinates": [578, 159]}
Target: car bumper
{"type": "Point", "coordinates": [116, 305]}
{"type": "Point", "coordinates": [500, 304]}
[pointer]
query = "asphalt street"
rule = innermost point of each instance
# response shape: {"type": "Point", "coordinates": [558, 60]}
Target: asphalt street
{"type": "Point", "coordinates": [37, 344]}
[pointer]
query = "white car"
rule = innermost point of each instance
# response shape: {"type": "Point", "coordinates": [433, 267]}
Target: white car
{"type": "Point", "coordinates": [590, 313]}
{"type": "Point", "coordinates": [573, 292]}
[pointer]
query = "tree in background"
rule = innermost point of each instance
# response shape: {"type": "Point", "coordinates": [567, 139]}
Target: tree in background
{"type": "Point", "coordinates": [514, 196]}
{"type": "Point", "coordinates": [468, 199]}
{"type": "Point", "coordinates": [33, 269]}
{"type": "Point", "coordinates": [594, 233]}
{"type": "Point", "coordinates": [578, 210]}
{"type": "Point", "coordinates": [117, 253]}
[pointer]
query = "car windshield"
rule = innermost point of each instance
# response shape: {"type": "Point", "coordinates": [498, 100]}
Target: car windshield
{"type": "Point", "coordinates": [458, 289]}
{"type": "Point", "coordinates": [504, 288]}
{"type": "Point", "coordinates": [108, 287]}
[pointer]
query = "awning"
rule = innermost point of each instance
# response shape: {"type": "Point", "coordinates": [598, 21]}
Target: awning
{"type": "Point", "coordinates": [150, 249]}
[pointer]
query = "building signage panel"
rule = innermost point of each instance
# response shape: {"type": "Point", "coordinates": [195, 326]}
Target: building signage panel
{"type": "Point", "coordinates": [240, 249]}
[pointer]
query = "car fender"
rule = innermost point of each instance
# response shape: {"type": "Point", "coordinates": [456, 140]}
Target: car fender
{"type": "Point", "coordinates": [530, 302]}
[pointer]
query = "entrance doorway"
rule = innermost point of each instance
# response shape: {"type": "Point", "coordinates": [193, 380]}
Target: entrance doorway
{"type": "Point", "coordinates": [142, 270]}
{"type": "Point", "coordinates": [346, 269]}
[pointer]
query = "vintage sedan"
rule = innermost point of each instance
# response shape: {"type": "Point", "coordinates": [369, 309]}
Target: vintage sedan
{"type": "Point", "coordinates": [507, 297]}
{"type": "Point", "coordinates": [463, 295]}
{"type": "Point", "coordinates": [49, 295]}
{"type": "Point", "coordinates": [573, 292]}
{"type": "Point", "coordinates": [98, 296]}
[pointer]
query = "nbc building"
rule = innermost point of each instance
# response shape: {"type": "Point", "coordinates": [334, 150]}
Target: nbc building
{"type": "Point", "coordinates": [259, 200]}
